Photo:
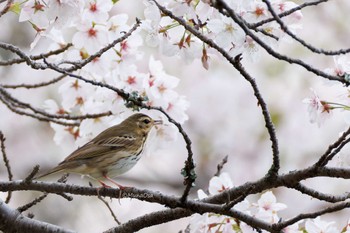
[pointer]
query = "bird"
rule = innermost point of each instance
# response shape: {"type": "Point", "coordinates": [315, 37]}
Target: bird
{"type": "Point", "coordinates": [111, 153]}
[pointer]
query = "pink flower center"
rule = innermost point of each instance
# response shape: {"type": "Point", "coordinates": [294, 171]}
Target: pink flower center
{"type": "Point", "coordinates": [281, 6]}
{"type": "Point", "coordinates": [92, 32]}
{"type": "Point", "coordinates": [170, 106]}
{"type": "Point", "coordinates": [267, 206]}
{"type": "Point", "coordinates": [38, 7]}
{"type": "Point", "coordinates": [75, 85]}
{"type": "Point", "coordinates": [161, 88]}
{"type": "Point", "coordinates": [79, 100]}
{"type": "Point", "coordinates": [151, 81]}
{"type": "Point", "coordinates": [74, 132]}
{"type": "Point", "coordinates": [259, 11]}
{"type": "Point", "coordinates": [124, 45]}
{"type": "Point", "coordinates": [93, 7]}
{"type": "Point", "coordinates": [131, 80]}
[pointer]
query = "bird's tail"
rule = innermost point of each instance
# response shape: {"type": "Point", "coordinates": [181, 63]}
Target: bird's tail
{"type": "Point", "coordinates": [51, 172]}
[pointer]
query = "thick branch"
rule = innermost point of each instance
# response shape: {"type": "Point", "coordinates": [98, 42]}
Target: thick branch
{"type": "Point", "coordinates": [13, 221]}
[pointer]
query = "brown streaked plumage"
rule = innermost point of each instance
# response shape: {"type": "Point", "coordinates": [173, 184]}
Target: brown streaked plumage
{"type": "Point", "coordinates": [111, 153]}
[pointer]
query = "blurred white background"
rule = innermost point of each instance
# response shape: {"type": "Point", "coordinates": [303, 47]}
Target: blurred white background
{"type": "Point", "coordinates": [224, 119]}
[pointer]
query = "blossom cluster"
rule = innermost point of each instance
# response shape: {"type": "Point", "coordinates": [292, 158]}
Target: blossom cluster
{"type": "Point", "coordinates": [320, 109]}
{"type": "Point", "coordinates": [89, 25]}
{"type": "Point", "coordinates": [265, 209]}
{"type": "Point", "coordinates": [165, 33]}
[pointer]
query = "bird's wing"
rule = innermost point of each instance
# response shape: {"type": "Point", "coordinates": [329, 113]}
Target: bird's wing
{"type": "Point", "coordinates": [97, 148]}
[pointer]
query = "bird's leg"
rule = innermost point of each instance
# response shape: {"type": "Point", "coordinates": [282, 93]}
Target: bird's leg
{"type": "Point", "coordinates": [104, 185]}
{"type": "Point", "coordinates": [121, 187]}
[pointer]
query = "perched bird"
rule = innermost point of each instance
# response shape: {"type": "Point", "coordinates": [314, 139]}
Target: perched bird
{"type": "Point", "coordinates": [111, 153]}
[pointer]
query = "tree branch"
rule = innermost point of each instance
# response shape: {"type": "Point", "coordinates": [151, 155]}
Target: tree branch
{"type": "Point", "coordinates": [14, 221]}
{"type": "Point", "coordinates": [7, 164]}
{"type": "Point", "coordinates": [288, 12]}
{"type": "Point", "coordinates": [302, 42]}
{"type": "Point", "coordinates": [36, 57]}
{"type": "Point", "coordinates": [333, 149]}
{"type": "Point", "coordinates": [275, 54]}
{"type": "Point", "coordinates": [37, 85]}
{"type": "Point", "coordinates": [320, 196]}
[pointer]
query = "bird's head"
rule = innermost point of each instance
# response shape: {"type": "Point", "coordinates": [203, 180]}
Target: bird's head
{"type": "Point", "coordinates": [143, 122]}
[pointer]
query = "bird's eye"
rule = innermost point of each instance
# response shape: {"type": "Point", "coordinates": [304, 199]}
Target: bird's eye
{"type": "Point", "coordinates": [146, 121]}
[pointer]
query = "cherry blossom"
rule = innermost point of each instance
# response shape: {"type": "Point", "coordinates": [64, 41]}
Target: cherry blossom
{"type": "Point", "coordinates": [64, 13]}
{"type": "Point", "coordinates": [74, 94]}
{"type": "Point", "coordinates": [90, 37]}
{"type": "Point", "coordinates": [341, 66]}
{"type": "Point", "coordinates": [97, 11]}
{"type": "Point", "coordinates": [268, 207]}
{"type": "Point", "coordinates": [116, 26]}
{"type": "Point", "coordinates": [256, 11]}
{"type": "Point", "coordinates": [292, 229]}
{"type": "Point", "coordinates": [318, 226]}
{"type": "Point", "coordinates": [52, 107]}
{"type": "Point", "coordinates": [265, 209]}
{"type": "Point", "coordinates": [318, 110]}
{"type": "Point", "coordinates": [227, 33]}
{"type": "Point", "coordinates": [220, 183]}
{"type": "Point", "coordinates": [35, 12]}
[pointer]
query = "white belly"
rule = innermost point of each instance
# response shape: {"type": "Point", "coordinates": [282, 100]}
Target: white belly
{"type": "Point", "coordinates": [123, 165]}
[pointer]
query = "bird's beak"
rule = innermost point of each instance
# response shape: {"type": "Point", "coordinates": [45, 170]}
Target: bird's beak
{"type": "Point", "coordinates": [158, 122]}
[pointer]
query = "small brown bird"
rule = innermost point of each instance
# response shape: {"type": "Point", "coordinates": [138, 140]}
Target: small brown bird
{"type": "Point", "coordinates": [111, 153]}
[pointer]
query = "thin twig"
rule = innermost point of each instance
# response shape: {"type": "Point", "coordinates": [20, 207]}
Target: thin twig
{"type": "Point", "coordinates": [110, 210]}
{"type": "Point", "coordinates": [304, 43]}
{"type": "Point", "coordinates": [6, 8]}
{"type": "Point", "coordinates": [36, 57]}
{"type": "Point", "coordinates": [220, 166]}
{"type": "Point", "coordinates": [29, 61]}
{"type": "Point", "coordinates": [15, 104]}
{"type": "Point", "coordinates": [272, 52]}
{"type": "Point", "coordinates": [273, 171]}
{"type": "Point", "coordinates": [189, 169]}
{"type": "Point", "coordinates": [37, 85]}
{"type": "Point", "coordinates": [40, 118]}
{"type": "Point", "coordinates": [22, 104]}
{"type": "Point", "coordinates": [7, 164]}
{"type": "Point", "coordinates": [331, 209]}
{"type": "Point", "coordinates": [63, 180]}
{"type": "Point", "coordinates": [332, 149]}
{"type": "Point", "coordinates": [32, 203]}
{"type": "Point", "coordinates": [320, 196]}
{"type": "Point", "coordinates": [286, 13]}
{"type": "Point", "coordinates": [32, 174]}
